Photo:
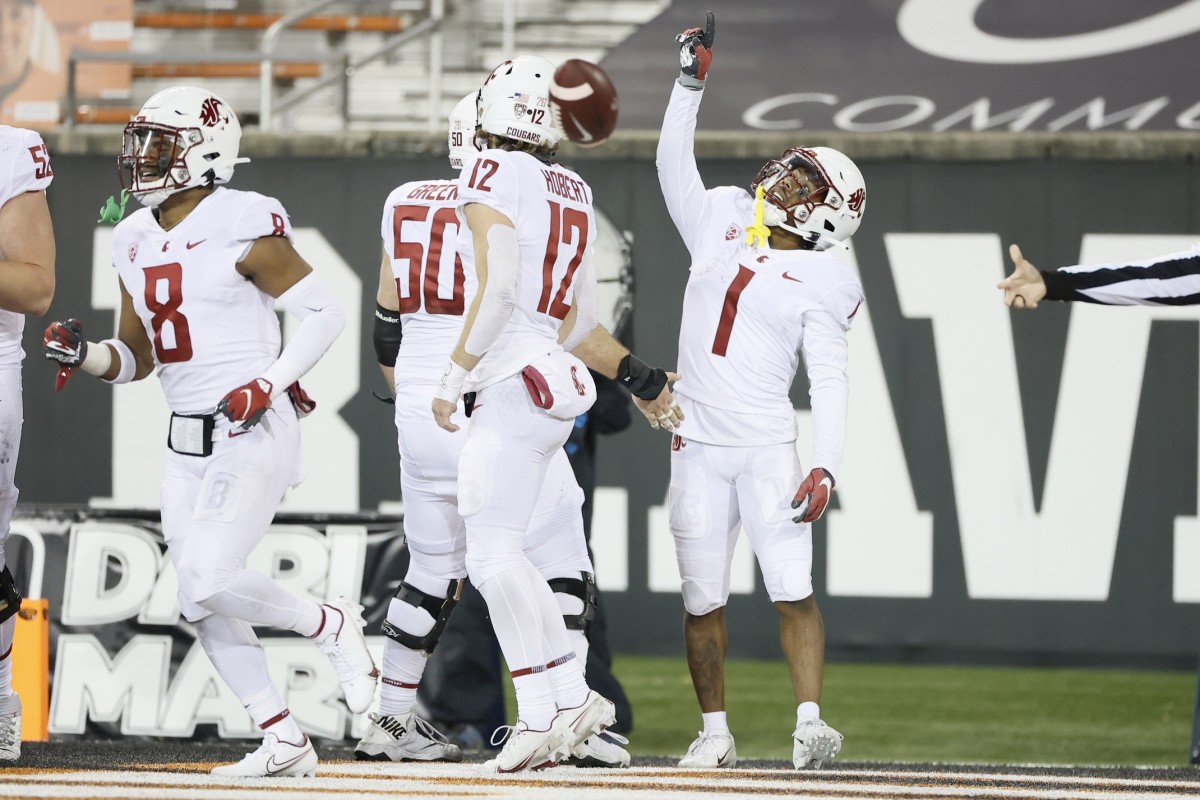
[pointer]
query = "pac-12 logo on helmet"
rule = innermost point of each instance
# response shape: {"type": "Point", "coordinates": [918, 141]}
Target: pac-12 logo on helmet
{"type": "Point", "coordinates": [210, 112]}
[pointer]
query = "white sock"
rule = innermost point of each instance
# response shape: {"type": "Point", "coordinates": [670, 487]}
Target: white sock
{"type": "Point", "coordinates": [715, 721]}
{"type": "Point", "coordinates": [268, 711]}
{"type": "Point", "coordinates": [517, 619]}
{"type": "Point", "coordinates": [7, 629]}
{"type": "Point", "coordinates": [807, 710]}
{"type": "Point", "coordinates": [238, 657]}
{"type": "Point", "coordinates": [402, 666]}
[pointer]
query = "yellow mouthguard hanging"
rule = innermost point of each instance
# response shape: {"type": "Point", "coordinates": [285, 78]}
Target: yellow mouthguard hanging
{"type": "Point", "coordinates": [758, 231]}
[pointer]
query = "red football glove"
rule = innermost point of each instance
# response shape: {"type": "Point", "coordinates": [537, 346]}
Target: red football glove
{"type": "Point", "coordinates": [247, 404]}
{"type": "Point", "coordinates": [63, 342]}
{"type": "Point", "coordinates": [304, 404]}
{"type": "Point", "coordinates": [695, 51]}
{"type": "Point", "coordinates": [813, 496]}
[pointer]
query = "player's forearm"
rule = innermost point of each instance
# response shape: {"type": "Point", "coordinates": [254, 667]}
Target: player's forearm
{"type": "Point", "coordinates": [829, 399]}
{"type": "Point", "coordinates": [26, 288]}
{"type": "Point", "coordinates": [601, 352]}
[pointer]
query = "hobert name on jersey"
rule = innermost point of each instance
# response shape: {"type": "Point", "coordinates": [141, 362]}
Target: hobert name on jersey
{"type": "Point", "coordinates": [566, 187]}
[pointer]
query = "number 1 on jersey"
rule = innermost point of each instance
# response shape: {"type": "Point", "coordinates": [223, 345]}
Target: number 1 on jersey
{"type": "Point", "coordinates": [729, 310]}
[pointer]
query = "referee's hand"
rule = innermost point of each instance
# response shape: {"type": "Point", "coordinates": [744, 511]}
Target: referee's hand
{"type": "Point", "coordinates": [1024, 288]}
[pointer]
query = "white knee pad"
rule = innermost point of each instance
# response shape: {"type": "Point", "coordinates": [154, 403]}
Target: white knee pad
{"type": "Point", "coordinates": [491, 551]}
{"type": "Point", "coordinates": [789, 579]}
{"type": "Point", "coordinates": [408, 618]}
{"type": "Point", "coordinates": [202, 574]}
{"type": "Point", "coordinates": [702, 597]}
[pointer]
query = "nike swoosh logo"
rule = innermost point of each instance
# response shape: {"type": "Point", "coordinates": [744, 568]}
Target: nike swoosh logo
{"type": "Point", "coordinates": [787, 277]}
{"type": "Point", "coordinates": [584, 135]}
{"type": "Point", "coordinates": [165, 245]}
{"type": "Point", "coordinates": [190, 245]}
{"type": "Point", "coordinates": [274, 767]}
{"type": "Point", "coordinates": [234, 434]}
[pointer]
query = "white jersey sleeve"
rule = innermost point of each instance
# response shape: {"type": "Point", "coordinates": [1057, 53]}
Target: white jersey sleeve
{"type": "Point", "coordinates": [678, 176]}
{"type": "Point", "coordinates": [826, 355]}
{"type": "Point", "coordinates": [260, 217]}
{"type": "Point", "coordinates": [24, 163]}
{"type": "Point", "coordinates": [491, 180]}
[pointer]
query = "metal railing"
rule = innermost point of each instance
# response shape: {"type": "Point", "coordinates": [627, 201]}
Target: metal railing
{"type": "Point", "coordinates": [266, 66]}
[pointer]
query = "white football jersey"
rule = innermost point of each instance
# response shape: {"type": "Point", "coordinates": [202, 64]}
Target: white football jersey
{"type": "Point", "coordinates": [750, 311]}
{"type": "Point", "coordinates": [24, 167]}
{"type": "Point", "coordinates": [211, 328]}
{"type": "Point", "coordinates": [420, 232]}
{"type": "Point", "coordinates": [551, 208]}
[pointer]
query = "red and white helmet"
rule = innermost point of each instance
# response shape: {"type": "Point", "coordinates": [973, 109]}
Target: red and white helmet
{"type": "Point", "coordinates": [464, 120]}
{"type": "Point", "coordinates": [181, 138]}
{"type": "Point", "coordinates": [815, 192]}
{"type": "Point", "coordinates": [514, 102]}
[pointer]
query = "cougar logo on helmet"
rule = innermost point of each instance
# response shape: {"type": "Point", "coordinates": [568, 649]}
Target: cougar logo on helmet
{"type": "Point", "coordinates": [856, 200]}
{"type": "Point", "coordinates": [210, 112]}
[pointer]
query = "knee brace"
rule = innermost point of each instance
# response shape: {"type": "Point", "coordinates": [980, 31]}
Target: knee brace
{"type": "Point", "coordinates": [10, 597]}
{"type": "Point", "coordinates": [584, 588]}
{"type": "Point", "coordinates": [699, 599]}
{"type": "Point", "coordinates": [438, 608]}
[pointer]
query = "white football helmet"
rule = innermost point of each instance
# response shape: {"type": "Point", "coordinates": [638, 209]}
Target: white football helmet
{"type": "Point", "coordinates": [464, 120]}
{"type": "Point", "coordinates": [514, 102]}
{"type": "Point", "coordinates": [817, 193]}
{"type": "Point", "coordinates": [181, 138]}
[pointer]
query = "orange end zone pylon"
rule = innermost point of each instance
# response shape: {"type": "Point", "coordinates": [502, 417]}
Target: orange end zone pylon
{"type": "Point", "coordinates": [31, 669]}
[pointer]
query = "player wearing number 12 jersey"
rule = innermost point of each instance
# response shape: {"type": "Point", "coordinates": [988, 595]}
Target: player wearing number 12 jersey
{"type": "Point", "coordinates": [424, 292]}
{"type": "Point", "coordinates": [762, 291]}
{"type": "Point", "coordinates": [202, 270]}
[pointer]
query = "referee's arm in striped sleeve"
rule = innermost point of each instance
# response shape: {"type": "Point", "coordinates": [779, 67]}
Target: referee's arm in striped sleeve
{"type": "Point", "coordinates": [1170, 280]}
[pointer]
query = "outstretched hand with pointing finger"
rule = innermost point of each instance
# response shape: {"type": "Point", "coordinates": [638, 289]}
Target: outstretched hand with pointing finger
{"type": "Point", "coordinates": [1024, 288]}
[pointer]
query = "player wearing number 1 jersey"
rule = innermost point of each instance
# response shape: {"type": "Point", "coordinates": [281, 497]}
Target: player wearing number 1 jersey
{"type": "Point", "coordinates": [762, 291]}
{"type": "Point", "coordinates": [423, 295]}
{"type": "Point", "coordinates": [202, 270]}
{"type": "Point", "coordinates": [27, 284]}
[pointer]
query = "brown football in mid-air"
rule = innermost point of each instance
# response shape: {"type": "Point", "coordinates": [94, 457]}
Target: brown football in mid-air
{"type": "Point", "coordinates": [586, 101]}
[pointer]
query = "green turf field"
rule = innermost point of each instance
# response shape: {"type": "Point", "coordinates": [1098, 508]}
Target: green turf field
{"type": "Point", "coordinates": [939, 714]}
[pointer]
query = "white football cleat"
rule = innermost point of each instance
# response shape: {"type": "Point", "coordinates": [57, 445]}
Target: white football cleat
{"type": "Point", "coordinates": [815, 743]}
{"type": "Point", "coordinates": [345, 646]}
{"type": "Point", "coordinates": [274, 759]}
{"type": "Point", "coordinates": [711, 751]}
{"type": "Point", "coordinates": [526, 749]}
{"type": "Point", "coordinates": [404, 737]}
{"type": "Point", "coordinates": [596, 714]}
{"type": "Point", "coordinates": [10, 727]}
{"type": "Point", "coordinates": [601, 750]}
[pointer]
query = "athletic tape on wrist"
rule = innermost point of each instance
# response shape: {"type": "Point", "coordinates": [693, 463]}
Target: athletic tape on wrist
{"type": "Point", "coordinates": [98, 359]}
{"type": "Point", "coordinates": [450, 389]}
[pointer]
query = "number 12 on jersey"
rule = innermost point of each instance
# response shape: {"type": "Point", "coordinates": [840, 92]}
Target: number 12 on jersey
{"type": "Point", "coordinates": [563, 220]}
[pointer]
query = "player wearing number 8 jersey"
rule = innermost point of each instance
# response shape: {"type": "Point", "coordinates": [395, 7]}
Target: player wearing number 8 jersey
{"type": "Point", "coordinates": [202, 270]}
{"type": "Point", "coordinates": [762, 291]}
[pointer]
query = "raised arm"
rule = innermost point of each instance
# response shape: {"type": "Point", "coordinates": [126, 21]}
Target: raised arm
{"type": "Point", "coordinates": [678, 176]}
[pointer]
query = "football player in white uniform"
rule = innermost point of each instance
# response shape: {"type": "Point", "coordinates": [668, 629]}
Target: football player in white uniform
{"type": "Point", "coordinates": [529, 232]}
{"type": "Point", "coordinates": [422, 299]}
{"type": "Point", "coordinates": [753, 304]}
{"type": "Point", "coordinates": [202, 270]}
{"type": "Point", "coordinates": [27, 261]}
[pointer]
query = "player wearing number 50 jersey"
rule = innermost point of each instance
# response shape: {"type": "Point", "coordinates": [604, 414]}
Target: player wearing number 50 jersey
{"type": "Point", "coordinates": [27, 266]}
{"type": "Point", "coordinates": [423, 295]}
{"type": "Point", "coordinates": [202, 270]}
{"type": "Point", "coordinates": [762, 291]}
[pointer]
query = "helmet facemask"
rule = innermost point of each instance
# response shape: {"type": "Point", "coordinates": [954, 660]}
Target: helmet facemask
{"type": "Point", "coordinates": [153, 162]}
{"type": "Point", "coordinates": [802, 197]}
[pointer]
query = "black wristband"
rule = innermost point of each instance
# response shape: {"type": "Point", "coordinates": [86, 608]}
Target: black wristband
{"type": "Point", "coordinates": [386, 335]}
{"type": "Point", "coordinates": [641, 379]}
{"type": "Point", "coordinates": [1058, 285]}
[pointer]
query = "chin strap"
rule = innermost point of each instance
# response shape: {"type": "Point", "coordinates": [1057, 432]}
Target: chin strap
{"type": "Point", "coordinates": [758, 232]}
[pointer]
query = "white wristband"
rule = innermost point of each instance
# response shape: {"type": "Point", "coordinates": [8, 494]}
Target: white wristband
{"type": "Point", "coordinates": [450, 389]}
{"type": "Point", "coordinates": [126, 358]}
